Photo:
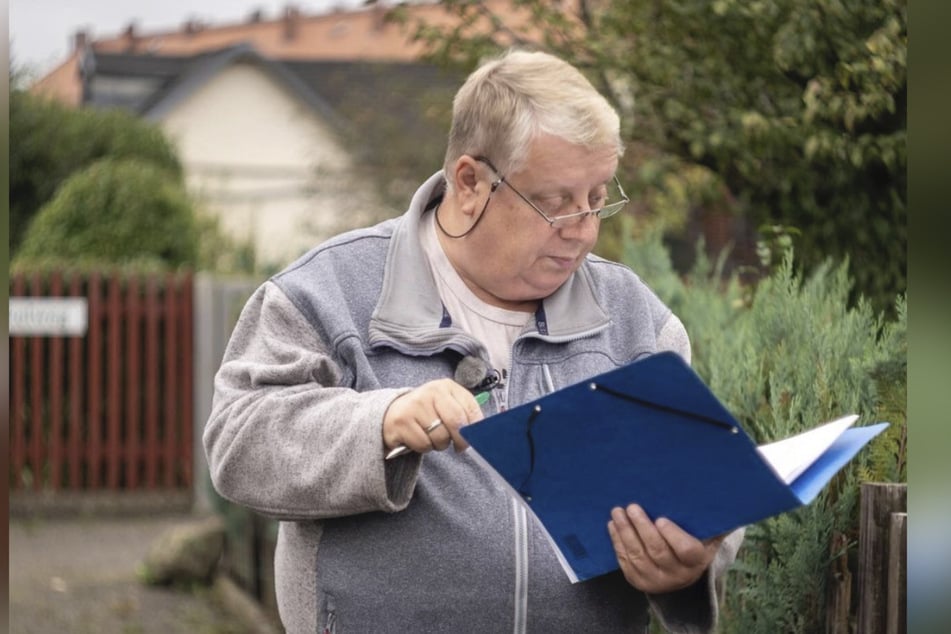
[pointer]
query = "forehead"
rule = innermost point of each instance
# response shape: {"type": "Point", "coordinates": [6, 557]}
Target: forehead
{"type": "Point", "coordinates": [554, 161]}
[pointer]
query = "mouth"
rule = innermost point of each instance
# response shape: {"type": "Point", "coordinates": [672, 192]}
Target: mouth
{"type": "Point", "coordinates": [563, 262]}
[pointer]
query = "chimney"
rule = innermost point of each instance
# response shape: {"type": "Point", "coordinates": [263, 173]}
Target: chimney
{"type": "Point", "coordinates": [291, 21]}
{"type": "Point", "coordinates": [379, 16]}
{"type": "Point", "coordinates": [130, 36]}
{"type": "Point", "coordinates": [256, 16]}
{"type": "Point", "coordinates": [192, 26]}
{"type": "Point", "coordinates": [80, 40]}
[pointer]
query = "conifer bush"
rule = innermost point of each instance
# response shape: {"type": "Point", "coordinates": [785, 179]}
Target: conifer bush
{"type": "Point", "coordinates": [783, 356]}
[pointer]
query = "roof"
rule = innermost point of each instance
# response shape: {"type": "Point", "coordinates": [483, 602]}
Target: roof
{"type": "Point", "coordinates": [354, 95]}
{"type": "Point", "coordinates": [390, 114]}
{"type": "Point", "coordinates": [363, 35]}
{"type": "Point", "coordinates": [152, 85]}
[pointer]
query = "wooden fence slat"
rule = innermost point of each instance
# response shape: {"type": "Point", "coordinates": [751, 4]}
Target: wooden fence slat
{"type": "Point", "coordinates": [56, 397]}
{"type": "Point", "coordinates": [94, 381]}
{"type": "Point", "coordinates": [151, 382]}
{"type": "Point", "coordinates": [133, 311]}
{"type": "Point", "coordinates": [37, 372]}
{"type": "Point", "coordinates": [171, 394]}
{"type": "Point", "coordinates": [113, 383]}
{"type": "Point", "coordinates": [897, 575]}
{"type": "Point", "coordinates": [76, 374]}
{"type": "Point", "coordinates": [186, 409]}
{"type": "Point", "coordinates": [18, 396]}
{"type": "Point", "coordinates": [878, 502]}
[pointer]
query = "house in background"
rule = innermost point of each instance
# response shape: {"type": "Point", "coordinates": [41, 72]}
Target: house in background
{"type": "Point", "coordinates": [261, 150]}
{"type": "Point", "coordinates": [284, 126]}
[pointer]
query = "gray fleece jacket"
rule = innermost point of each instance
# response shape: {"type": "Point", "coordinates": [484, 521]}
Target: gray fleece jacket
{"type": "Point", "coordinates": [422, 543]}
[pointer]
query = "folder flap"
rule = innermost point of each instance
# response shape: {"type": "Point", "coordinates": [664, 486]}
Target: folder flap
{"type": "Point", "coordinates": [791, 456]}
{"type": "Point", "coordinates": [808, 485]}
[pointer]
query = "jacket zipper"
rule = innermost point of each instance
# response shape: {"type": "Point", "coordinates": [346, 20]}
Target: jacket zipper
{"type": "Point", "coordinates": [330, 614]}
{"type": "Point", "coordinates": [520, 516]}
{"type": "Point", "coordinates": [522, 525]}
{"type": "Point", "coordinates": [331, 626]}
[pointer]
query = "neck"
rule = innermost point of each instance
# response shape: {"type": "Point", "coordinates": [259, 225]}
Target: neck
{"type": "Point", "coordinates": [454, 249]}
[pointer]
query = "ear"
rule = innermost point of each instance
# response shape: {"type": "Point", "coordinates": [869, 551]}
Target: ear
{"type": "Point", "coordinates": [467, 184]}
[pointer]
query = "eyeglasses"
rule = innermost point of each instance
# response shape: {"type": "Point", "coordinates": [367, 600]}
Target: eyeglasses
{"type": "Point", "coordinates": [611, 201]}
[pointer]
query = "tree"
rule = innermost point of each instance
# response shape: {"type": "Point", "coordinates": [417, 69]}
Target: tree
{"type": "Point", "coordinates": [790, 112]}
{"type": "Point", "coordinates": [49, 142]}
{"type": "Point", "coordinates": [116, 211]}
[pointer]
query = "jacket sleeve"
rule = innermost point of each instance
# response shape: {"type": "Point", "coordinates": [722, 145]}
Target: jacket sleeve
{"type": "Point", "coordinates": [283, 437]}
{"type": "Point", "coordinates": [673, 337]}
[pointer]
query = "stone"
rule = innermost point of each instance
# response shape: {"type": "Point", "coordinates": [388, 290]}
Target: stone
{"type": "Point", "coordinates": [185, 554]}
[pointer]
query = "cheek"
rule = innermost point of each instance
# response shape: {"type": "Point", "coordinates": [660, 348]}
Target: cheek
{"type": "Point", "coordinates": [505, 255]}
{"type": "Point", "coordinates": [519, 248]}
{"type": "Point", "coordinates": [507, 240]}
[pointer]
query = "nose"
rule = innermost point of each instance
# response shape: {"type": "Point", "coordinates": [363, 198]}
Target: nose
{"type": "Point", "coordinates": [584, 227]}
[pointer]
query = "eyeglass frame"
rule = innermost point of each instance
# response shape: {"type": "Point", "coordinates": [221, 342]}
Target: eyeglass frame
{"type": "Point", "coordinates": [599, 213]}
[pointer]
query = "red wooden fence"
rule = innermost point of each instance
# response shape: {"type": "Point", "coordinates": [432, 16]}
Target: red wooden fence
{"type": "Point", "coordinates": [111, 410]}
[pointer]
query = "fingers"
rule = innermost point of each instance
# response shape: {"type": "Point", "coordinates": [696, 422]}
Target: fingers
{"type": "Point", "coordinates": [455, 412]}
{"type": "Point", "coordinates": [686, 548]}
{"type": "Point", "coordinates": [657, 556]}
{"type": "Point", "coordinates": [632, 554]}
{"type": "Point", "coordinates": [409, 416]}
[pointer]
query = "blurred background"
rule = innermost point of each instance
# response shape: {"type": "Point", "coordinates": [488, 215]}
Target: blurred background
{"type": "Point", "coordinates": [165, 160]}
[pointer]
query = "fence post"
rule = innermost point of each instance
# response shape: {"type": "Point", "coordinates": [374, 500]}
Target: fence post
{"type": "Point", "coordinates": [897, 574]}
{"type": "Point", "coordinates": [879, 501]}
{"type": "Point", "coordinates": [216, 304]}
{"type": "Point", "coordinates": [204, 362]}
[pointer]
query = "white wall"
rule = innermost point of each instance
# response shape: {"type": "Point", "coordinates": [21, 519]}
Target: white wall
{"type": "Point", "coordinates": [264, 163]}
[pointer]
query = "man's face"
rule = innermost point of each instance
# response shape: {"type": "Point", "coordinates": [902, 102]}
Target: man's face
{"type": "Point", "coordinates": [514, 257]}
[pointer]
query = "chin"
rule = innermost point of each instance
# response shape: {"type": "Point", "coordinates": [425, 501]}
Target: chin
{"type": "Point", "coordinates": [540, 292]}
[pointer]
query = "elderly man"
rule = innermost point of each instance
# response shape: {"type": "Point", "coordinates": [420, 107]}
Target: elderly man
{"type": "Point", "coordinates": [351, 355]}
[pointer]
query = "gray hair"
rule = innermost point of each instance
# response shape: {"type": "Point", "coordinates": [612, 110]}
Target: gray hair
{"type": "Point", "coordinates": [509, 101]}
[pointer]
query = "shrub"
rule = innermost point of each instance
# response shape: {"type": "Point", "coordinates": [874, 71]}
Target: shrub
{"type": "Point", "coordinates": [783, 357]}
{"type": "Point", "coordinates": [117, 213]}
{"type": "Point", "coordinates": [49, 142]}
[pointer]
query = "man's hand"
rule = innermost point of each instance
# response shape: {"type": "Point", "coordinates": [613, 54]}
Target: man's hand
{"type": "Point", "coordinates": [410, 415]}
{"type": "Point", "coordinates": [658, 557]}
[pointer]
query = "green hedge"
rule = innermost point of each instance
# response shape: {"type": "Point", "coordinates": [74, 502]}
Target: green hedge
{"type": "Point", "coordinates": [118, 212]}
{"type": "Point", "coordinates": [784, 356]}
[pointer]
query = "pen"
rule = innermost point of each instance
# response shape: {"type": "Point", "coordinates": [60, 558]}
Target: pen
{"type": "Point", "coordinates": [480, 398]}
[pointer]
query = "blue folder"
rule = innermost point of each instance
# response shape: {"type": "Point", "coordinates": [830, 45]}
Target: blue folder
{"type": "Point", "coordinates": [650, 432]}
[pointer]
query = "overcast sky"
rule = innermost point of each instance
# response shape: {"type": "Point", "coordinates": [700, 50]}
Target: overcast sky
{"type": "Point", "coordinates": [41, 31]}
